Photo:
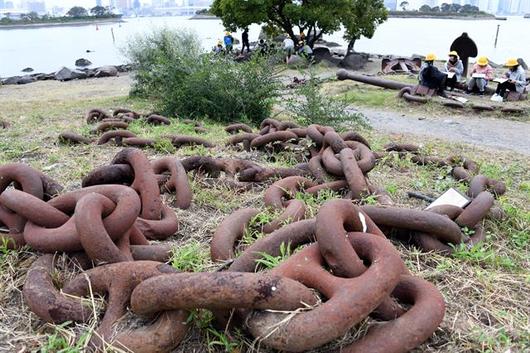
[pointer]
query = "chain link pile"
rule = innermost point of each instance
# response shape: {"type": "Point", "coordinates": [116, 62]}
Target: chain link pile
{"type": "Point", "coordinates": [347, 270]}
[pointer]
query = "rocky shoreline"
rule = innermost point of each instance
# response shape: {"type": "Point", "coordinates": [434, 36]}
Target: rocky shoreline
{"type": "Point", "coordinates": [67, 74]}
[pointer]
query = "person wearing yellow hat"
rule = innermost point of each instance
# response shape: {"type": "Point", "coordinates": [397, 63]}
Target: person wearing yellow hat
{"type": "Point", "coordinates": [481, 75]}
{"type": "Point", "coordinates": [218, 49]}
{"type": "Point", "coordinates": [229, 42]}
{"type": "Point", "coordinates": [454, 69]}
{"type": "Point", "coordinates": [430, 76]}
{"type": "Point", "coordinates": [516, 79]}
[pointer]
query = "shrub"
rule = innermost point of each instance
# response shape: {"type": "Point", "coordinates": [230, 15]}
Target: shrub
{"type": "Point", "coordinates": [310, 106]}
{"type": "Point", "coordinates": [185, 81]}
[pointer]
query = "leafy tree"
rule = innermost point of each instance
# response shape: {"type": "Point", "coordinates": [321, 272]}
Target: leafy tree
{"type": "Point", "coordinates": [99, 11]}
{"type": "Point", "coordinates": [31, 16]}
{"type": "Point", "coordinates": [455, 8]}
{"type": "Point", "coordinates": [435, 9]}
{"type": "Point", "coordinates": [404, 5]}
{"type": "Point", "coordinates": [425, 8]}
{"type": "Point", "coordinates": [445, 7]}
{"type": "Point", "coordinates": [314, 18]}
{"type": "Point", "coordinates": [469, 9]}
{"type": "Point", "coordinates": [362, 19]}
{"type": "Point", "coordinates": [77, 11]}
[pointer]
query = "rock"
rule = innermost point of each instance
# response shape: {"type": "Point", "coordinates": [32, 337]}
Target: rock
{"type": "Point", "coordinates": [25, 80]}
{"type": "Point", "coordinates": [124, 68]}
{"type": "Point", "coordinates": [354, 61]}
{"type": "Point", "coordinates": [11, 80]}
{"type": "Point", "coordinates": [78, 74]}
{"type": "Point", "coordinates": [27, 69]}
{"type": "Point", "coordinates": [106, 71]}
{"type": "Point", "coordinates": [324, 54]}
{"type": "Point", "coordinates": [296, 60]}
{"type": "Point", "coordinates": [522, 63]}
{"type": "Point", "coordinates": [63, 74]}
{"type": "Point", "coordinates": [83, 62]}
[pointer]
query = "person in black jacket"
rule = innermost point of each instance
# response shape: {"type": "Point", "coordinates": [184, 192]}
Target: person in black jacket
{"type": "Point", "coordinates": [431, 76]}
{"type": "Point", "coordinates": [244, 40]}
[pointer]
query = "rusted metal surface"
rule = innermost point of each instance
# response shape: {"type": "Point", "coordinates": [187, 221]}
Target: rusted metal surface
{"type": "Point", "coordinates": [155, 119]}
{"type": "Point", "coordinates": [222, 290]}
{"type": "Point", "coordinates": [73, 138]}
{"type": "Point", "coordinates": [400, 65]}
{"type": "Point", "coordinates": [371, 80]}
{"type": "Point", "coordinates": [229, 232]}
{"type": "Point", "coordinates": [106, 226]}
{"type": "Point", "coordinates": [236, 128]}
{"type": "Point", "coordinates": [45, 300]}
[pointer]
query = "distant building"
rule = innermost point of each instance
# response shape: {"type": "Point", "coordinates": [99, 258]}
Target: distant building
{"type": "Point", "coordinates": [99, 3]}
{"type": "Point", "coordinates": [2, 4]}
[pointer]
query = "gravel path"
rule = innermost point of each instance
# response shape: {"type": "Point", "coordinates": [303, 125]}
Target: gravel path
{"type": "Point", "coordinates": [490, 132]}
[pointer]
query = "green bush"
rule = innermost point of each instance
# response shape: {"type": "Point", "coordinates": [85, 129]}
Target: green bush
{"type": "Point", "coordinates": [310, 106]}
{"type": "Point", "coordinates": [187, 82]}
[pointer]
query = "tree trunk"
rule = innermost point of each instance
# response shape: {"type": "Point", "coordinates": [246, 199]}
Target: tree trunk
{"type": "Point", "coordinates": [351, 44]}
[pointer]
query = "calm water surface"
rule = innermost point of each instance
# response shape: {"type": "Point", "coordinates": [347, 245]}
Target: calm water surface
{"type": "Point", "coordinates": [47, 49]}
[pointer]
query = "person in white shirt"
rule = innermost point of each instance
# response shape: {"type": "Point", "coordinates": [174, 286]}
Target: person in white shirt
{"type": "Point", "coordinates": [288, 47]}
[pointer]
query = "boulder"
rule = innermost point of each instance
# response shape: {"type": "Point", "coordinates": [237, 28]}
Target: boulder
{"type": "Point", "coordinates": [83, 62]}
{"type": "Point", "coordinates": [354, 61]}
{"type": "Point", "coordinates": [11, 80]}
{"type": "Point", "coordinates": [78, 74]}
{"type": "Point", "coordinates": [63, 74]}
{"type": "Point", "coordinates": [27, 69]}
{"type": "Point", "coordinates": [522, 63]}
{"type": "Point", "coordinates": [324, 54]}
{"type": "Point", "coordinates": [296, 60]}
{"type": "Point", "coordinates": [106, 71]}
{"type": "Point", "coordinates": [26, 79]}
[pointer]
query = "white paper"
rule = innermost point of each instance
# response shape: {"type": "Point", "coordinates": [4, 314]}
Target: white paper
{"type": "Point", "coordinates": [462, 99]}
{"type": "Point", "coordinates": [500, 80]}
{"type": "Point", "coordinates": [450, 74]}
{"type": "Point", "coordinates": [479, 76]}
{"type": "Point", "coordinates": [451, 197]}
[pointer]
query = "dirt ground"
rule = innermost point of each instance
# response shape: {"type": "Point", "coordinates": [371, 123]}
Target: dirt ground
{"type": "Point", "coordinates": [485, 288]}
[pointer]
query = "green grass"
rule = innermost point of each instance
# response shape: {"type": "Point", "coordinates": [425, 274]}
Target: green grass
{"type": "Point", "coordinates": [190, 257]}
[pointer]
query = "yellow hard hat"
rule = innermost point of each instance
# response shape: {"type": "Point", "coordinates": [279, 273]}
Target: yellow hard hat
{"type": "Point", "coordinates": [227, 33]}
{"type": "Point", "coordinates": [430, 57]}
{"type": "Point", "coordinates": [483, 61]}
{"type": "Point", "coordinates": [511, 62]}
{"type": "Point", "coordinates": [453, 53]}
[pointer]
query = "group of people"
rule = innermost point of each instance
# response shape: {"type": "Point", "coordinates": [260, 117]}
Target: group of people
{"type": "Point", "coordinates": [303, 49]}
{"type": "Point", "coordinates": [482, 74]}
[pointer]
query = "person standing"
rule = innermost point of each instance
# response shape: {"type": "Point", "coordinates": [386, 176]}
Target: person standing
{"type": "Point", "coordinates": [288, 47]}
{"type": "Point", "coordinates": [481, 74]}
{"type": "Point", "coordinates": [455, 69]}
{"type": "Point", "coordinates": [244, 40]}
{"type": "Point", "coordinates": [229, 42]}
{"type": "Point", "coordinates": [516, 79]}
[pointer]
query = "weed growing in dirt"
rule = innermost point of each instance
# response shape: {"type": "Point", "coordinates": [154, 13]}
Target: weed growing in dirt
{"type": "Point", "coordinates": [190, 257]}
{"type": "Point", "coordinates": [268, 261]}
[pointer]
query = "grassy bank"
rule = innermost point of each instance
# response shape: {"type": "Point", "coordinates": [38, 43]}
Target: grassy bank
{"type": "Point", "coordinates": [486, 288]}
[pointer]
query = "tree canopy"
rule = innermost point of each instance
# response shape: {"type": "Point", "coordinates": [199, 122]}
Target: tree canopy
{"type": "Point", "coordinates": [77, 11]}
{"type": "Point", "coordinates": [362, 19]}
{"type": "Point", "coordinates": [314, 18]}
{"type": "Point", "coordinates": [99, 11]}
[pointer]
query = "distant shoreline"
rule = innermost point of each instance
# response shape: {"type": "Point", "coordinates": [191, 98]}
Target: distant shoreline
{"type": "Point", "coordinates": [204, 17]}
{"type": "Point", "coordinates": [452, 16]}
{"type": "Point", "coordinates": [62, 24]}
